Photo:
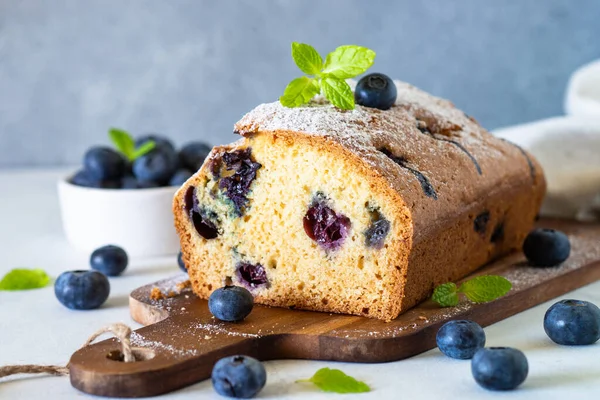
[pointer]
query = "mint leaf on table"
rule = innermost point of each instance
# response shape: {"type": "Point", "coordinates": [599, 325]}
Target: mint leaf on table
{"type": "Point", "coordinates": [446, 295]}
{"type": "Point", "coordinates": [348, 61]}
{"type": "Point", "coordinates": [485, 288]}
{"type": "Point", "coordinates": [299, 91]}
{"type": "Point", "coordinates": [126, 145]}
{"type": "Point", "coordinates": [24, 279]}
{"type": "Point", "coordinates": [328, 78]}
{"type": "Point", "coordinates": [481, 289]}
{"type": "Point", "coordinates": [334, 380]}
{"type": "Point", "coordinates": [307, 58]}
{"type": "Point", "coordinates": [338, 92]}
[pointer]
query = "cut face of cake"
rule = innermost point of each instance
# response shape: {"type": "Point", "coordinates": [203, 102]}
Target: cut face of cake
{"type": "Point", "coordinates": [360, 212]}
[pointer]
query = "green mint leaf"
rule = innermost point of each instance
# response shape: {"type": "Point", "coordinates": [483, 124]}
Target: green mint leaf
{"type": "Point", "coordinates": [446, 295]}
{"type": "Point", "coordinates": [348, 61]}
{"type": "Point", "coordinates": [338, 92]}
{"type": "Point", "coordinates": [334, 380]}
{"type": "Point", "coordinates": [299, 91]}
{"type": "Point", "coordinates": [123, 142]}
{"type": "Point", "coordinates": [145, 148]}
{"type": "Point", "coordinates": [307, 58]}
{"type": "Point", "coordinates": [483, 289]}
{"type": "Point", "coordinates": [24, 279]}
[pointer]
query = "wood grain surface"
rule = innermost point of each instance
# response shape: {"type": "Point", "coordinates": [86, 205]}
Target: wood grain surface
{"type": "Point", "coordinates": [181, 340]}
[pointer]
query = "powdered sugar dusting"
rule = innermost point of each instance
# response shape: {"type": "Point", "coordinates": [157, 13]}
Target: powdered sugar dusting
{"type": "Point", "coordinates": [138, 340]}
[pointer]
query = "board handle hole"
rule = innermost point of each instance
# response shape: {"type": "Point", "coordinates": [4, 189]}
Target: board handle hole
{"type": "Point", "coordinates": [139, 354]}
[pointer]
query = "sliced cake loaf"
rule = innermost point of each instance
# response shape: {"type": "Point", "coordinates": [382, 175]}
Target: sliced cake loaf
{"type": "Point", "coordinates": [360, 212]}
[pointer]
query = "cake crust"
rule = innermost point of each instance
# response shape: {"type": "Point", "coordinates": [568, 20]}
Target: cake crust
{"type": "Point", "coordinates": [456, 198]}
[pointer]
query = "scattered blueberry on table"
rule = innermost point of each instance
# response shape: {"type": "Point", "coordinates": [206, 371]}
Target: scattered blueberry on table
{"type": "Point", "coordinates": [375, 91]}
{"type": "Point", "coordinates": [146, 162]}
{"type": "Point", "coordinates": [573, 322]}
{"type": "Point", "coordinates": [546, 247]}
{"type": "Point", "coordinates": [460, 339]}
{"type": "Point", "coordinates": [231, 303]}
{"type": "Point", "coordinates": [180, 262]}
{"type": "Point", "coordinates": [239, 377]}
{"type": "Point", "coordinates": [499, 368]}
{"type": "Point", "coordinates": [82, 290]}
{"type": "Point", "coordinates": [110, 260]}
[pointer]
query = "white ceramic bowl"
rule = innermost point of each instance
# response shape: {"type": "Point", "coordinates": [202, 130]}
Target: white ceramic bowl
{"type": "Point", "coordinates": [138, 220]}
{"type": "Point", "coordinates": [582, 98]}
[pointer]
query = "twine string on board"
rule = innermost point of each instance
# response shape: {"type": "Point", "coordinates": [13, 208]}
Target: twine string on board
{"type": "Point", "coordinates": [121, 332]}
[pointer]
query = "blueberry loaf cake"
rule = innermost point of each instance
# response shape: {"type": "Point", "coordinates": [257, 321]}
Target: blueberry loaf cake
{"type": "Point", "coordinates": [359, 212]}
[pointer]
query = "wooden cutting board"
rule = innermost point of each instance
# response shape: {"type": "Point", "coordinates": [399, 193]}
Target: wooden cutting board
{"type": "Point", "coordinates": [181, 340]}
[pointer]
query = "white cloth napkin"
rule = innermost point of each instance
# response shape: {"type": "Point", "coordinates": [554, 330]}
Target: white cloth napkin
{"type": "Point", "coordinates": [568, 147]}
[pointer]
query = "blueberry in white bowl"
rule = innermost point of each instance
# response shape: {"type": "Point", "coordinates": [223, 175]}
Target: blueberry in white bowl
{"type": "Point", "coordinates": [193, 154]}
{"type": "Point", "coordinates": [82, 290]}
{"type": "Point", "coordinates": [103, 163]}
{"type": "Point", "coordinates": [180, 177]}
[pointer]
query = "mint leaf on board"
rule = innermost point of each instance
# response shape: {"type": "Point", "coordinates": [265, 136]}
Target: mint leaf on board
{"type": "Point", "coordinates": [338, 92]}
{"type": "Point", "coordinates": [299, 91]}
{"type": "Point", "coordinates": [446, 295]}
{"type": "Point", "coordinates": [334, 380]}
{"type": "Point", "coordinates": [307, 58]}
{"type": "Point", "coordinates": [126, 145]}
{"type": "Point", "coordinates": [485, 288]}
{"type": "Point", "coordinates": [348, 61]}
{"type": "Point", "coordinates": [24, 279]}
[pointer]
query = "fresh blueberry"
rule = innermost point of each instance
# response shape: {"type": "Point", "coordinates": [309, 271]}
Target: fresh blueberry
{"type": "Point", "coordinates": [546, 247]}
{"type": "Point", "coordinates": [156, 166]}
{"type": "Point", "coordinates": [82, 290]}
{"type": "Point", "coordinates": [573, 322]}
{"type": "Point", "coordinates": [180, 262]}
{"type": "Point", "coordinates": [103, 163]}
{"type": "Point", "coordinates": [375, 91]}
{"type": "Point", "coordinates": [83, 178]}
{"type": "Point", "coordinates": [160, 142]}
{"type": "Point", "coordinates": [180, 177]}
{"type": "Point", "coordinates": [499, 368]}
{"type": "Point", "coordinates": [241, 377]}
{"type": "Point", "coordinates": [193, 154]}
{"type": "Point", "coordinates": [460, 339]}
{"type": "Point", "coordinates": [110, 260]}
{"type": "Point", "coordinates": [230, 303]}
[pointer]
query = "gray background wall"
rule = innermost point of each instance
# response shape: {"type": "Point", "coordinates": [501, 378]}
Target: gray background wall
{"type": "Point", "coordinates": [69, 69]}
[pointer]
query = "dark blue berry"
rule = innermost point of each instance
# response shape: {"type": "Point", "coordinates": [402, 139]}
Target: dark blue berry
{"type": "Point", "coordinates": [180, 262]}
{"type": "Point", "coordinates": [253, 275]}
{"type": "Point", "coordinates": [323, 225]}
{"type": "Point", "coordinates": [499, 368]}
{"type": "Point", "coordinates": [82, 290]}
{"type": "Point", "coordinates": [192, 155]}
{"type": "Point", "coordinates": [83, 178]}
{"type": "Point", "coordinates": [377, 232]}
{"type": "Point", "coordinates": [573, 322]}
{"type": "Point", "coordinates": [110, 260]}
{"type": "Point", "coordinates": [180, 177]}
{"type": "Point", "coordinates": [460, 339]}
{"type": "Point", "coordinates": [103, 163]}
{"type": "Point", "coordinates": [160, 142]}
{"type": "Point", "coordinates": [205, 221]}
{"type": "Point", "coordinates": [375, 91]}
{"type": "Point", "coordinates": [230, 303]}
{"type": "Point", "coordinates": [546, 247]}
{"type": "Point", "coordinates": [131, 182]}
{"type": "Point", "coordinates": [241, 377]}
{"type": "Point", "coordinates": [156, 166]}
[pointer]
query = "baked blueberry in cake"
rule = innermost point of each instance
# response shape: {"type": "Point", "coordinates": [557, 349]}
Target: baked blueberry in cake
{"type": "Point", "coordinates": [361, 211]}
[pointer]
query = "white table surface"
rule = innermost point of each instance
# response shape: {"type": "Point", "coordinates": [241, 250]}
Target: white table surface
{"type": "Point", "coordinates": [36, 328]}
